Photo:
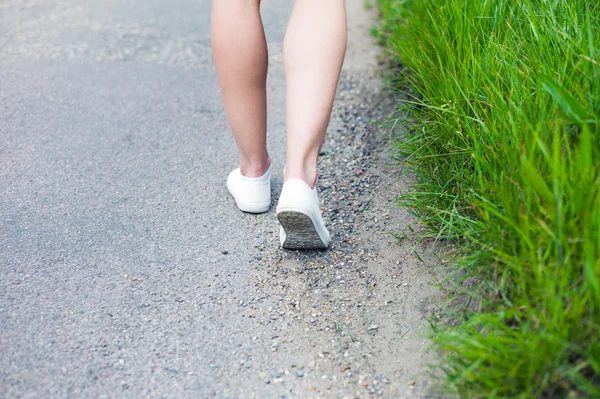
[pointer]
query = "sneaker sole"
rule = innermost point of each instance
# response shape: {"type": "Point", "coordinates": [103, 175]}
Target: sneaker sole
{"type": "Point", "coordinates": [253, 208]}
{"type": "Point", "coordinates": [300, 232]}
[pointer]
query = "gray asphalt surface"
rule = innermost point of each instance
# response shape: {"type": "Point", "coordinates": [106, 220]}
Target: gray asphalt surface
{"type": "Point", "coordinates": [123, 259]}
{"type": "Point", "coordinates": [126, 270]}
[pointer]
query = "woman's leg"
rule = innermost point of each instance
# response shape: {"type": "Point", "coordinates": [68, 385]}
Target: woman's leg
{"type": "Point", "coordinates": [313, 53]}
{"type": "Point", "coordinates": [240, 53]}
{"type": "Point", "coordinates": [313, 50]}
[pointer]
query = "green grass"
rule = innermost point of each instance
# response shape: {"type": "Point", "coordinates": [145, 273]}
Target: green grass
{"type": "Point", "coordinates": [505, 143]}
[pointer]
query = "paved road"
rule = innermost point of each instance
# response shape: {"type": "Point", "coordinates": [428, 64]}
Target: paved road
{"type": "Point", "coordinates": [114, 219]}
{"type": "Point", "coordinates": [125, 268]}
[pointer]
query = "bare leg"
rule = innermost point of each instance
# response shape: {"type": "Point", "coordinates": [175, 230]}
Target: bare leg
{"type": "Point", "coordinates": [314, 49]}
{"type": "Point", "coordinates": [240, 53]}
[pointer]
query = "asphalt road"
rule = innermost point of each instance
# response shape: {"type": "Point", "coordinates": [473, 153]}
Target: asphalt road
{"type": "Point", "coordinates": [126, 270]}
{"type": "Point", "coordinates": [123, 259]}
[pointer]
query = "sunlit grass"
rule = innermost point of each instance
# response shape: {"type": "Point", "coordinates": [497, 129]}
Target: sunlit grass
{"type": "Point", "coordinates": [506, 149]}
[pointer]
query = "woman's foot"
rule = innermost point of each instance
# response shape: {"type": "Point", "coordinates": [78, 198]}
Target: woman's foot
{"type": "Point", "coordinates": [299, 214]}
{"type": "Point", "coordinates": [252, 195]}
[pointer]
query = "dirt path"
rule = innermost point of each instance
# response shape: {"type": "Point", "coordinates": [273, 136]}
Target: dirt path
{"type": "Point", "coordinates": [350, 322]}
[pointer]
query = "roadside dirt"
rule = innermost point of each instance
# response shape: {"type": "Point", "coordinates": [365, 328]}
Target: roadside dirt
{"type": "Point", "coordinates": [351, 321]}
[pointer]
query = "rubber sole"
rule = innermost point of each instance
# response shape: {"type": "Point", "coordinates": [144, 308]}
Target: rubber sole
{"type": "Point", "coordinates": [253, 208]}
{"type": "Point", "coordinates": [300, 231]}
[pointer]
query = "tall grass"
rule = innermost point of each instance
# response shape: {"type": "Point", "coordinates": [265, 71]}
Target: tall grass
{"type": "Point", "coordinates": [506, 148]}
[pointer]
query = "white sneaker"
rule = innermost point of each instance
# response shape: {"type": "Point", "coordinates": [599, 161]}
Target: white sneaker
{"type": "Point", "coordinates": [298, 211]}
{"type": "Point", "coordinates": [251, 195]}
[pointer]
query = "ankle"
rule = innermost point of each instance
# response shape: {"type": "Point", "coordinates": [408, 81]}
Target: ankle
{"type": "Point", "coordinates": [256, 168]}
{"type": "Point", "coordinates": [307, 174]}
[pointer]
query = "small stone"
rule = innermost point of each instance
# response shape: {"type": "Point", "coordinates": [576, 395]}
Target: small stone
{"type": "Point", "coordinates": [299, 374]}
{"type": "Point", "coordinates": [373, 327]}
{"type": "Point", "coordinates": [225, 252]}
{"type": "Point", "coordinates": [277, 380]}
